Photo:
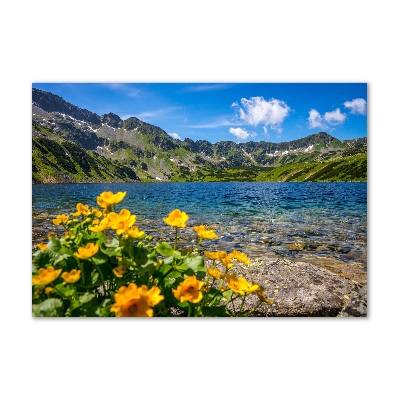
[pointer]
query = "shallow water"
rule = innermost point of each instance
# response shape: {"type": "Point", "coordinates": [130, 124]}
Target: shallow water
{"type": "Point", "coordinates": [294, 219]}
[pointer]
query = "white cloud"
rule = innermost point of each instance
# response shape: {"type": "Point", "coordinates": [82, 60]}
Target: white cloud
{"type": "Point", "coordinates": [241, 134]}
{"type": "Point", "coordinates": [315, 120]}
{"type": "Point", "coordinates": [175, 135]}
{"type": "Point", "coordinates": [334, 117]}
{"type": "Point", "coordinates": [357, 106]}
{"type": "Point", "coordinates": [258, 111]}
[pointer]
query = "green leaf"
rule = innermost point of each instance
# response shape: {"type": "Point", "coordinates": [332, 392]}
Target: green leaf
{"type": "Point", "coordinates": [227, 293]}
{"type": "Point", "coordinates": [60, 259]}
{"type": "Point", "coordinates": [112, 251]}
{"type": "Point", "coordinates": [165, 268]}
{"type": "Point", "coordinates": [174, 274]}
{"type": "Point", "coordinates": [66, 250]}
{"type": "Point", "coordinates": [184, 305]}
{"type": "Point", "coordinates": [86, 297]}
{"type": "Point", "coordinates": [106, 303]}
{"type": "Point", "coordinates": [48, 308]}
{"type": "Point", "coordinates": [140, 255]}
{"type": "Point", "coordinates": [214, 312]}
{"type": "Point", "coordinates": [66, 262]}
{"type": "Point", "coordinates": [193, 265]}
{"type": "Point", "coordinates": [164, 249]}
{"type": "Point", "coordinates": [41, 259]}
{"type": "Point", "coordinates": [78, 238]}
{"type": "Point", "coordinates": [113, 243]}
{"type": "Point", "coordinates": [73, 305]}
{"type": "Point", "coordinates": [168, 260]}
{"type": "Point", "coordinates": [95, 277]}
{"type": "Point", "coordinates": [148, 268]}
{"type": "Point", "coordinates": [54, 245]}
{"type": "Point", "coordinates": [103, 311]}
{"type": "Point", "coordinates": [170, 279]}
{"type": "Point", "coordinates": [99, 258]}
{"type": "Point", "coordinates": [97, 236]}
{"type": "Point", "coordinates": [64, 290]}
{"type": "Point", "coordinates": [84, 307]}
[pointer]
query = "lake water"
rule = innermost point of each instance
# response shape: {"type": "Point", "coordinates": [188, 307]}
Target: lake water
{"type": "Point", "coordinates": [259, 218]}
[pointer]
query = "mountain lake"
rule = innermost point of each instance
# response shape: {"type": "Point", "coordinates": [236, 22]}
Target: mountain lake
{"type": "Point", "coordinates": [290, 219]}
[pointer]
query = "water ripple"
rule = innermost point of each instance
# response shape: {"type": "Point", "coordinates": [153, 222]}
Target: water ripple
{"type": "Point", "coordinates": [325, 218]}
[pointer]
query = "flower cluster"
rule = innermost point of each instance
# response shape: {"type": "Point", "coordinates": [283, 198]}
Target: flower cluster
{"type": "Point", "coordinates": [104, 265]}
{"type": "Point", "coordinates": [121, 223]}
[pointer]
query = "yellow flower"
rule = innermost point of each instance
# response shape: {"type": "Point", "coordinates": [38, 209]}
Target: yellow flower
{"type": "Point", "coordinates": [120, 271]}
{"type": "Point", "coordinates": [51, 235]}
{"type": "Point", "coordinates": [82, 209]}
{"type": "Point", "coordinates": [227, 261]}
{"type": "Point", "coordinates": [42, 246]}
{"type": "Point", "coordinates": [132, 301]}
{"type": "Point", "coordinates": [176, 218]}
{"type": "Point", "coordinates": [71, 277]}
{"type": "Point", "coordinates": [189, 290]}
{"type": "Point", "coordinates": [241, 285]}
{"type": "Point", "coordinates": [107, 199]}
{"type": "Point", "coordinates": [60, 219]}
{"type": "Point", "coordinates": [153, 296]}
{"type": "Point", "coordinates": [48, 290]}
{"type": "Point", "coordinates": [135, 233]}
{"type": "Point", "coordinates": [215, 255]}
{"type": "Point", "coordinates": [203, 233]}
{"type": "Point", "coordinates": [96, 213]}
{"type": "Point", "coordinates": [100, 227]}
{"type": "Point", "coordinates": [121, 222]}
{"type": "Point", "coordinates": [220, 256]}
{"type": "Point", "coordinates": [241, 257]}
{"type": "Point", "coordinates": [215, 273]}
{"type": "Point", "coordinates": [88, 251]}
{"type": "Point", "coordinates": [46, 275]}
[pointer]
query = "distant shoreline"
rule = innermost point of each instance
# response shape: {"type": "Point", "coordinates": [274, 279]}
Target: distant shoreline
{"type": "Point", "coordinates": [155, 181]}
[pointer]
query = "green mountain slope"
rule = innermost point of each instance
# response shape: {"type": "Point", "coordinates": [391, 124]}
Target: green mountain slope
{"type": "Point", "coordinates": [65, 161]}
{"type": "Point", "coordinates": [75, 145]}
{"type": "Point", "coordinates": [352, 168]}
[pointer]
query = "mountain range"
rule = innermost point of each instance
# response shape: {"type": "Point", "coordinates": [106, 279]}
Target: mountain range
{"type": "Point", "coordinates": [70, 144]}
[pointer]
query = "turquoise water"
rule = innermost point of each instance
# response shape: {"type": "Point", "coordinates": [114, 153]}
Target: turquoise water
{"type": "Point", "coordinates": [326, 218]}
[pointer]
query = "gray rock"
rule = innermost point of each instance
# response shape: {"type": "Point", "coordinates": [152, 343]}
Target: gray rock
{"type": "Point", "coordinates": [301, 289]}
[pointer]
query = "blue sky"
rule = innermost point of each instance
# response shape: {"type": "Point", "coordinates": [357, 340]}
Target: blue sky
{"type": "Point", "coordinates": [241, 112]}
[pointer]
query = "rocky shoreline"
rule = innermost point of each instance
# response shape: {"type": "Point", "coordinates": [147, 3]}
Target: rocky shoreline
{"type": "Point", "coordinates": [312, 286]}
{"type": "Point", "coordinates": [304, 289]}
